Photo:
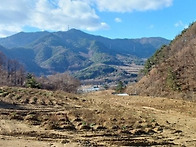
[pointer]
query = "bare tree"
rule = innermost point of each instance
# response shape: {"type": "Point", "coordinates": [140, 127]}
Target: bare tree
{"type": "Point", "coordinates": [2, 69]}
{"type": "Point", "coordinates": [11, 72]}
{"type": "Point", "coordinates": [63, 82]}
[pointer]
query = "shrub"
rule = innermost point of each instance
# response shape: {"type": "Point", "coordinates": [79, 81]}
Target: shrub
{"type": "Point", "coordinates": [31, 82]}
{"type": "Point", "coordinates": [120, 87]}
{"type": "Point", "coordinates": [171, 80]}
{"type": "Point", "coordinates": [157, 58]}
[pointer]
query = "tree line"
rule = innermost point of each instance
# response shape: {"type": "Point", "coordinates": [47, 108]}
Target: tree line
{"type": "Point", "coordinates": [12, 73]}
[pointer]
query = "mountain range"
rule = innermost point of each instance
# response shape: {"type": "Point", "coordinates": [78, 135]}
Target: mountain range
{"type": "Point", "coordinates": [84, 55]}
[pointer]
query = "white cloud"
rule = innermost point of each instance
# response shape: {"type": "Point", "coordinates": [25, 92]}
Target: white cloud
{"type": "Point", "coordinates": [131, 5]}
{"type": "Point", "coordinates": [6, 30]}
{"type": "Point", "coordinates": [118, 20]}
{"type": "Point", "coordinates": [151, 26]}
{"type": "Point", "coordinates": [77, 14]}
{"type": "Point", "coordinates": [180, 24]}
{"type": "Point", "coordinates": [13, 15]}
{"type": "Point", "coordinates": [54, 15]}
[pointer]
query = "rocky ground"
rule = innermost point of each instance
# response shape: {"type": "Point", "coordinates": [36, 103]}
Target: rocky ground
{"type": "Point", "coordinates": [47, 119]}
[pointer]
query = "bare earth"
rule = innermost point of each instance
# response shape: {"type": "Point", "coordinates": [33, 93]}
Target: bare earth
{"type": "Point", "coordinates": [31, 118]}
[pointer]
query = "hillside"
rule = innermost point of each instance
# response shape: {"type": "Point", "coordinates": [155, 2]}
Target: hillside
{"type": "Point", "coordinates": [171, 71]}
{"type": "Point", "coordinates": [32, 117]}
{"type": "Point", "coordinates": [74, 50]}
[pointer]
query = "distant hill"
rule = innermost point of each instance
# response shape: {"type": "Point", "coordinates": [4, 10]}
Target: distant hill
{"type": "Point", "coordinates": [77, 52]}
{"type": "Point", "coordinates": [171, 71]}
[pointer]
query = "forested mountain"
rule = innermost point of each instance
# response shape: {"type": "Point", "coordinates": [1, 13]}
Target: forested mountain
{"type": "Point", "coordinates": [76, 52]}
{"type": "Point", "coordinates": [171, 71]}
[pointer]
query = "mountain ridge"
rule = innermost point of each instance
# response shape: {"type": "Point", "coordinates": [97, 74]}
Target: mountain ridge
{"type": "Point", "coordinates": [75, 50]}
{"type": "Point", "coordinates": [170, 72]}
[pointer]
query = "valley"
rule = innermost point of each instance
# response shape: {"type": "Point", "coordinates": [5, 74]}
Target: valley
{"type": "Point", "coordinates": [125, 73]}
{"type": "Point", "coordinates": [61, 86]}
{"type": "Point", "coordinates": [87, 57]}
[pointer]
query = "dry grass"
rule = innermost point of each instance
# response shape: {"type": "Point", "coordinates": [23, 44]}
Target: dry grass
{"type": "Point", "coordinates": [174, 73]}
{"type": "Point", "coordinates": [95, 119]}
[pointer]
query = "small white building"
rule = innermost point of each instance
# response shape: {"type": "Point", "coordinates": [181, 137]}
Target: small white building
{"type": "Point", "coordinates": [86, 89]}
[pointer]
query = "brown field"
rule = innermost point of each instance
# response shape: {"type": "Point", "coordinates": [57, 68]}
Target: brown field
{"type": "Point", "coordinates": [43, 118]}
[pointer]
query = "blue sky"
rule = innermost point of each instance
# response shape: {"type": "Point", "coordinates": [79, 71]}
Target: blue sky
{"type": "Point", "coordinates": [109, 18]}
